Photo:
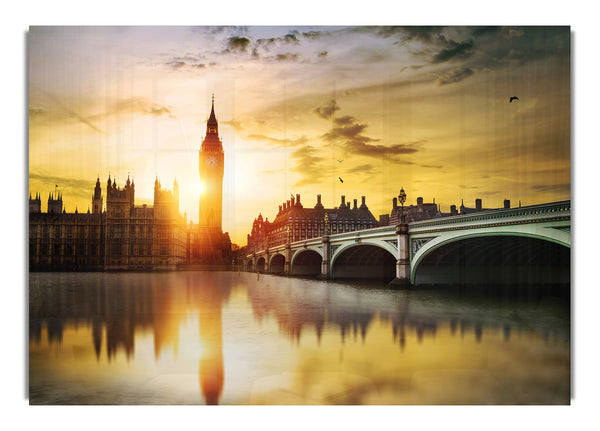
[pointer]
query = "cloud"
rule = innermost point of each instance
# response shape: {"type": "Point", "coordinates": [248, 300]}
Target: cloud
{"type": "Point", "coordinates": [481, 31]}
{"type": "Point", "coordinates": [273, 171]}
{"type": "Point", "coordinates": [134, 105]}
{"type": "Point", "coordinates": [426, 34]}
{"type": "Point", "coordinates": [176, 64]}
{"type": "Point", "coordinates": [278, 142]}
{"type": "Point", "coordinates": [186, 61]}
{"type": "Point", "coordinates": [552, 188]}
{"type": "Point", "coordinates": [366, 169]}
{"type": "Point", "coordinates": [158, 110]}
{"type": "Point", "coordinates": [236, 125]}
{"type": "Point", "coordinates": [432, 166]}
{"type": "Point", "coordinates": [291, 37]}
{"type": "Point", "coordinates": [37, 111]}
{"type": "Point", "coordinates": [502, 46]}
{"type": "Point", "coordinates": [286, 57]}
{"type": "Point", "coordinates": [455, 50]}
{"type": "Point", "coordinates": [238, 43]}
{"type": "Point", "coordinates": [314, 34]}
{"type": "Point", "coordinates": [60, 112]}
{"type": "Point", "coordinates": [218, 30]}
{"type": "Point", "coordinates": [74, 114]}
{"type": "Point", "coordinates": [455, 75]}
{"type": "Point", "coordinates": [311, 166]}
{"type": "Point", "coordinates": [348, 133]}
{"type": "Point", "coordinates": [325, 112]}
{"type": "Point", "coordinates": [514, 32]}
{"type": "Point", "coordinates": [72, 189]}
{"type": "Point", "coordinates": [64, 182]}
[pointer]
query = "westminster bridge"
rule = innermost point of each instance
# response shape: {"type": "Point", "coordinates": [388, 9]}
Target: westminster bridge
{"type": "Point", "coordinates": [527, 244]}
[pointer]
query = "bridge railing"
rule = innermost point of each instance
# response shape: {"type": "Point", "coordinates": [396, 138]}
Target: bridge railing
{"type": "Point", "coordinates": [541, 211]}
{"type": "Point", "coordinates": [531, 212]}
{"type": "Point", "coordinates": [362, 233]}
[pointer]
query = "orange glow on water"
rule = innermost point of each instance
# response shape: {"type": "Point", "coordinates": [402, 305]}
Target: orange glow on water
{"type": "Point", "coordinates": [193, 338]}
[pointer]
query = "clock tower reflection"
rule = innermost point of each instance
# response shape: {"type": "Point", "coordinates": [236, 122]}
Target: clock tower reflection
{"type": "Point", "coordinates": [209, 300]}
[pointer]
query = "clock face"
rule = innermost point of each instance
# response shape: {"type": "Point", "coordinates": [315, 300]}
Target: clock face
{"type": "Point", "coordinates": [211, 162]}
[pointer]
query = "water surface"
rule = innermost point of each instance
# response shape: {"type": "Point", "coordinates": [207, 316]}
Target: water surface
{"type": "Point", "coordinates": [236, 338]}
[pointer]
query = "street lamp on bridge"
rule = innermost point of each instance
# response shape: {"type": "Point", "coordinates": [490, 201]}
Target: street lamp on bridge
{"type": "Point", "coordinates": [402, 199]}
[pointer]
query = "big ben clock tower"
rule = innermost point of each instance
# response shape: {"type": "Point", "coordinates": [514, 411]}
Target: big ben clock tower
{"type": "Point", "coordinates": [211, 174]}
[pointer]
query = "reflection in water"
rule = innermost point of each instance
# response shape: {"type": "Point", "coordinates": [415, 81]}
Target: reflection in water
{"type": "Point", "coordinates": [210, 303]}
{"type": "Point", "coordinates": [427, 328]}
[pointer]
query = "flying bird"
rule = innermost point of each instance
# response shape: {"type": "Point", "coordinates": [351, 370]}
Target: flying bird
{"type": "Point", "coordinates": [513, 98]}
{"type": "Point", "coordinates": [340, 161]}
{"type": "Point", "coordinates": [341, 180]}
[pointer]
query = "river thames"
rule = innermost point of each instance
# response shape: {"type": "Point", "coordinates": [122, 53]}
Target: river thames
{"type": "Point", "coordinates": [244, 339]}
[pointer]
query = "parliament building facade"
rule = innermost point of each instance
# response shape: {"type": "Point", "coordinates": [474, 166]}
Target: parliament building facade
{"type": "Point", "coordinates": [125, 236]}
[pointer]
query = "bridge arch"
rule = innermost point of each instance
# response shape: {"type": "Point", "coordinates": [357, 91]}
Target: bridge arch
{"type": "Point", "coordinates": [260, 264]}
{"type": "Point", "coordinates": [277, 264]}
{"type": "Point", "coordinates": [494, 257]}
{"type": "Point", "coordinates": [306, 262]}
{"type": "Point", "coordinates": [363, 260]}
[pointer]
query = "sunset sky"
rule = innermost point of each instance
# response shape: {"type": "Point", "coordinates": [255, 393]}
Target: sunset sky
{"type": "Point", "coordinates": [424, 108]}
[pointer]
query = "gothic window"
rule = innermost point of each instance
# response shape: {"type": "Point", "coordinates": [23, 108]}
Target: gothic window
{"type": "Point", "coordinates": [115, 248]}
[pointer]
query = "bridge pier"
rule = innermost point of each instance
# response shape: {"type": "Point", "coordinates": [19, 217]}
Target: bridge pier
{"type": "Point", "coordinates": [267, 262]}
{"type": "Point", "coordinates": [287, 266]}
{"type": "Point", "coordinates": [325, 268]}
{"type": "Point", "coordinates": [403, 263]}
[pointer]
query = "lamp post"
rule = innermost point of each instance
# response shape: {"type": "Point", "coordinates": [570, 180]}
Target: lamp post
{"type": "Point", "coordinates": [325, 270]}
{"type": "Point", "coordinates": [402, 199]}
{"type": "Point", "coordinates": [403, 263]}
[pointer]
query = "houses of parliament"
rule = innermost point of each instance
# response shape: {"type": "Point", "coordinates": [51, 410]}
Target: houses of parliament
{"type": "Point", "coordinates": [125, 236]}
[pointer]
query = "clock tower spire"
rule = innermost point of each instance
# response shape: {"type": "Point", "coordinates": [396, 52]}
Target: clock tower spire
{"type": "Point", "coordinates": [211, 174]}
{"type": "Point", "coordinates": [212, 128]}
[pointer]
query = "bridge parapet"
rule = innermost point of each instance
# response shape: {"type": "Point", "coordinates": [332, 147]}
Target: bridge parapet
{"type": "Point", "coordinates": [530, 214]}
{"type": "Point", "coordinates": [550, 222]}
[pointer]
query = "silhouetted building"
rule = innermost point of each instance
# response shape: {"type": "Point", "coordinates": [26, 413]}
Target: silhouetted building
{"type": "Point", "coordinates": [208, 243]}
{"type": "Point", "coordinates": [124, 237]}
{"type": "Point", "coordinates": [64, 241]}
{"type": "Point", "coordinates": [426, 211]}
{"type": "Point", "coordinates": [130, 237]}
{"type": "Point", "coordinates": [293, 222]}
{"type": "Point", "coordinates": [420, 211]}
{"type": "Point", "coordinates": [478, 207]}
